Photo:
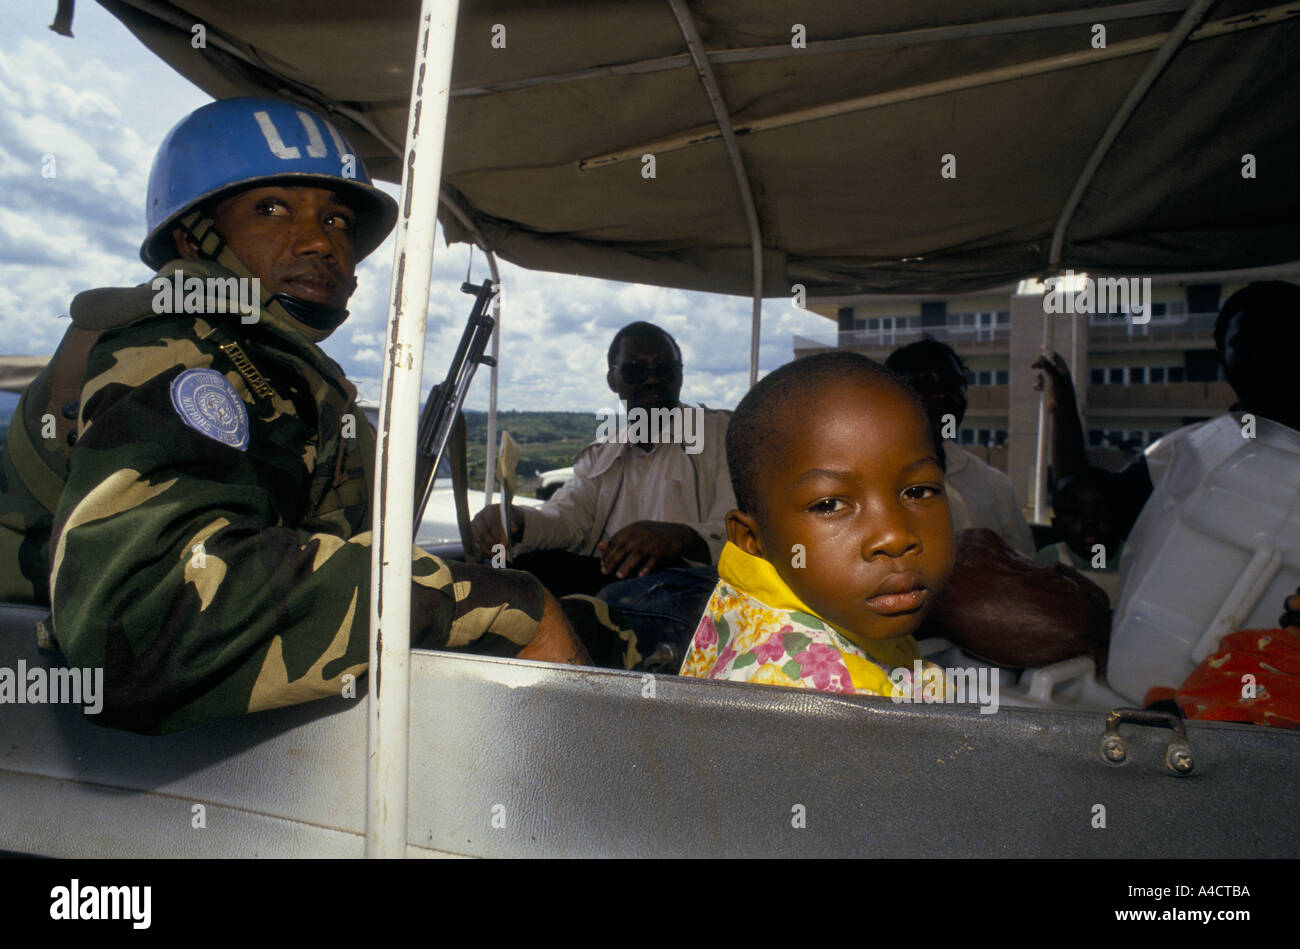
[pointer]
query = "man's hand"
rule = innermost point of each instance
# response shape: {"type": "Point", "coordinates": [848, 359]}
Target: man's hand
{"type": "Point", "coordinates": [647, 543]}
{"type": "Point", "coordinates": [488, 530]}
{"type": "Point", "coordinates": [1059, 386]}
{"type": "Point", "coordinates": [1290, 620]}
{"type": "Point", "coordinates": [555, 640]}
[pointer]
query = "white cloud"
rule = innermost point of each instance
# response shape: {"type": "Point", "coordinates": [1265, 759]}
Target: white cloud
{"type": "Point", "coordinates": [101, 103]}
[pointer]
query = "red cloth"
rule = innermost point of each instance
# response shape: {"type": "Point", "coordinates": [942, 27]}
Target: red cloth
{"type": "Point", "coordinates": [1214, 691]}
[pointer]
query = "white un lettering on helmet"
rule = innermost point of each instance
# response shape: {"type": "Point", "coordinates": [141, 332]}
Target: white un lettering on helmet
{"type": "Point", "coordinates": [315, 142]}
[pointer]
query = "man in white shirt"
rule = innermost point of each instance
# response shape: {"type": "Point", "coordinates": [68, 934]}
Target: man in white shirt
{"type": "Point", "coordinates": [978, 494]}
{"type": "Point", "coordinates": [645, 501]}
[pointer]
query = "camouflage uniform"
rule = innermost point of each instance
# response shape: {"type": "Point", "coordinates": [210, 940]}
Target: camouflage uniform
{"type": "Point", "coordinates": [207, 580]}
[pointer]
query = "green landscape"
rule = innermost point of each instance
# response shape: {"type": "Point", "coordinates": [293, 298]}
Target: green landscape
{"type": "Point", "coordinates": [546, 440]}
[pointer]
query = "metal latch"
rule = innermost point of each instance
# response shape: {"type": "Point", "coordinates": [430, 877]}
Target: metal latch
{"type": "Point", "coordinates": [1178, 753]}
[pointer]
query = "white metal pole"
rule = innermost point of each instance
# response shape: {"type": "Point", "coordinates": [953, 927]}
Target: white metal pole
{"type": "Point", "coordinates": [709, 81]}
{"type": "Point", "coordinates": [390, 589]}
{"type": "Point", "coordinates": [489, 478]}
{"type": "Point", "coordinates": [1042, 437]}
{"type": "Point", "coordinates": [458, 212]}
{"type": "Point", "coordinates": [1172, 42]}
{"type": "Point", "coordinates": [703, 135]}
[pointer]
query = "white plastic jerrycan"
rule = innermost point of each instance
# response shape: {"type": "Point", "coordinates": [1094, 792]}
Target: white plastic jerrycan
{"type": "Point", "coordinates": [1215, 550]}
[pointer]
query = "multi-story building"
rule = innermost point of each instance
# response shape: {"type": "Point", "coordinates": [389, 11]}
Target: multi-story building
{"type": "Point", "coordinates": [1134, 381]}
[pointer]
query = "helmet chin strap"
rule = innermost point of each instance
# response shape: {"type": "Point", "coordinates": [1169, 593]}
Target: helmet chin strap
{"type": "Point", "coordinates": [324, 319]}
{"type": "Point", "coordinates": [320, 320]}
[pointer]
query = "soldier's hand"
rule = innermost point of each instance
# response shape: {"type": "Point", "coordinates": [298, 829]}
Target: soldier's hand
{"type": "Point", "coordinates": [645, 544]}
{"type": "Point", "coordinates": [488, 531]}
{"type": "Point", "coordinates": [555, 640]}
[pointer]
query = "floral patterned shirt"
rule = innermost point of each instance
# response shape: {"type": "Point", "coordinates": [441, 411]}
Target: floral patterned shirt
{"type": "Point", "coordinates": [764, 634]}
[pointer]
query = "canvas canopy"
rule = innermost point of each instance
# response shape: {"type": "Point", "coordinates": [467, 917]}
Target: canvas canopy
{"type": "Point", "coordinates": [952, 134]}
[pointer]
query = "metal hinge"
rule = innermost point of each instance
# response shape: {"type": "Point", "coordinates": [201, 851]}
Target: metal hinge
{"type": "Point", "coordinates": [1178, 753]}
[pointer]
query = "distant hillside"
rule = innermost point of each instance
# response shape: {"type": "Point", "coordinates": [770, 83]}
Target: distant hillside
{"type": "Point", "coordinates": [546, 440]}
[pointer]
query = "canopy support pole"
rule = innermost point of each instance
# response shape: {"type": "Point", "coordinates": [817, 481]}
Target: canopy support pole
{"type": "Point", "coordinates": [390, 589]}
{"type": "Point", "coordinates": [452, 205]}
{"type": "Point", "coordinates": [489, 477]}
{"type": "Point", "coordinates": [723, 118]}
{"type": "Point", "coordinates": [847, 44]}
{"type": "Point", "coordinates": [1040, 448]}
{"type": "Point", "coordinates": [703, 135]}
{"type": "Point", "coordinates": [1174, 39]}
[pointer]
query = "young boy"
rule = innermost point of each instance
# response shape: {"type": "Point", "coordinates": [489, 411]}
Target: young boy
{"type": "Point", "coordinates": [843, 538]}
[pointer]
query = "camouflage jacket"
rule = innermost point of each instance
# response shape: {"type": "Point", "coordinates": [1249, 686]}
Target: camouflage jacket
{"type": "Point", "coordinates": [215, 565]}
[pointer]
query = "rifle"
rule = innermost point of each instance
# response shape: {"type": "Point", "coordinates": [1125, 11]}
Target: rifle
{"type": "Point", "coordinates": [442, 408]}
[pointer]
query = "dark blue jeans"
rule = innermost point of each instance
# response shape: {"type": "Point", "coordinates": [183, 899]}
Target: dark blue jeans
{"type": "Point", "coordinates": [664, 607]}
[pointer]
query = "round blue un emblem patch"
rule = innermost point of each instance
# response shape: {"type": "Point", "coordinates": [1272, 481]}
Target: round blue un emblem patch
{"type": "Point", "coordinates": [210, 405]}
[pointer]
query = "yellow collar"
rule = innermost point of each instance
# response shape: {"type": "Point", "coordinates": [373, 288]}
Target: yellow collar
{"type": "Point", "coordinates": [759, 579]}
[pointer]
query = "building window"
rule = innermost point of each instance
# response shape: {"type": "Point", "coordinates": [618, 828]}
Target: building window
{"type": "Point", "coordinates": [1157, 373]}
{"type": "Point", "coordinates": [1176, 374]}
{"type": "Point", "coordinates": [1004, 318]}
{"type": "Point", "coordinates": [1000, 436]}
{"type": "Point", "coordinates": [1003, 377]}
{"type": "Point", "coordinates": [984, 377]}
{"type": "Point", "coordinates": [934, 313]}
{"type": "Point", "coordinates": [1137, 375]}
{"type": "Point", "coordinates": [873, 323]}
{"type": "Point", "coordinates": [1116, 439]}
{"type": "Point", "coordinates": [1203, 298]}
{"type": "Point", "coordinates": [984, 436]}
{"type": "Point", "coordinates": [1174, 311]}
{"type": "Point", "coordinates": [1095, 437]}
{"type": "Point", "coordinates": [1097, 377]}
{"type": "Point", "coordinates": [967, 436]}
{"type": "Point", "coordinates": [1117, 376]}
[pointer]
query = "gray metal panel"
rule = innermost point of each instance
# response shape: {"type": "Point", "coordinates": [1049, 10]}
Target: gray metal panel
{"type": "Point", "coordinates": [583, 764]}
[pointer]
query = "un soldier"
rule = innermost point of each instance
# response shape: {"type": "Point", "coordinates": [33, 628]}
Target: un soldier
{"type": "Point", "coordinates": [189, 487]}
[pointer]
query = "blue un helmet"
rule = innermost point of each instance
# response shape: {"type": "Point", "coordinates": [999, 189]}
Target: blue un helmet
{"type": "Point", "coordinates": [234, 144]}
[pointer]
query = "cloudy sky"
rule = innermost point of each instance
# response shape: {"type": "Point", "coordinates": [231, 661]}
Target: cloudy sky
{"type": "Point", "coordinates": [101, 103]}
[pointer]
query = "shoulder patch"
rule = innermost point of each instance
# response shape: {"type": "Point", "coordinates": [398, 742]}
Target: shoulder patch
{"type": "Point", "coordinates": [209, 404]}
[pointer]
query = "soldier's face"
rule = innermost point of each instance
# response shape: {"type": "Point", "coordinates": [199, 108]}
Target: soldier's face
{"type": "Point", "coordinates": [295, 240]}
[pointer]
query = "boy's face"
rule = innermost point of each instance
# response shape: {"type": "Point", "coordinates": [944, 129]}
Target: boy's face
{"type": "Point", "coordinates": [859, 486]}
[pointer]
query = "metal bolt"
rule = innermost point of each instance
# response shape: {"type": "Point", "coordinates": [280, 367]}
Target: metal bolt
{"type": "Point", "coordinates": [1180, 760]}
{"type": "Point", "coordinates": [1113, 750]}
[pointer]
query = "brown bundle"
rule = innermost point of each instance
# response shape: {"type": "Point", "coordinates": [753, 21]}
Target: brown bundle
{"type": "Point", "coordinates": [1005, 609]}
